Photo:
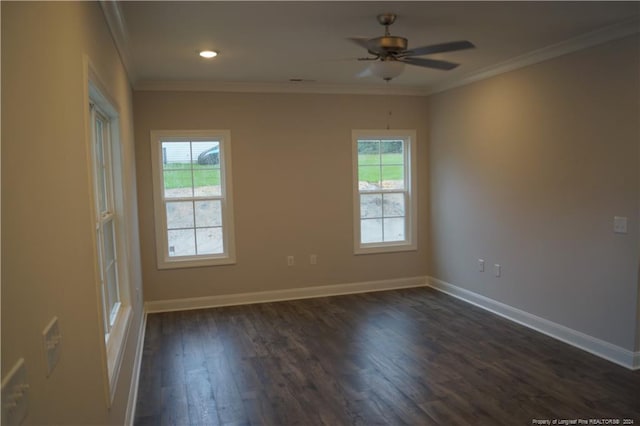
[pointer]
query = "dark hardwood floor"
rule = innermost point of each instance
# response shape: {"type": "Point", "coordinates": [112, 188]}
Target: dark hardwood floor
{"type": "Point", "coordinates": [414, 356]}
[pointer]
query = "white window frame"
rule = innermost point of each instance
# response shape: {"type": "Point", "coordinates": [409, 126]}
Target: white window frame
{"type": "Point", "coordinates": [410, 190]}
{"type": "Point", "coordinates": [228, 256]}
{"type": "Point", "coordinates": [115, 324]}
{"type": "Point", "coordinates": [107, 215]}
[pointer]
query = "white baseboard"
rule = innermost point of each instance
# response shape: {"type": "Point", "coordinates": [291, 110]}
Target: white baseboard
{"type": "Point", "coordinates": [575, 338]}
{"type": "Point", "coordinates": [281, 295]}
{"type": "Point", "coordinates": [135, 379]}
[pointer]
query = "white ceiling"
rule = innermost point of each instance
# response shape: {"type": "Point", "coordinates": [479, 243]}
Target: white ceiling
{"type": "Point", "coordinates": [269, 43]}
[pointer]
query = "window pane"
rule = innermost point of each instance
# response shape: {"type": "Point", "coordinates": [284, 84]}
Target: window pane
{"type": "Point", "coordinates": [393, 205]}
{"type": "Point", "coordinates": [370, 205]}
{"type": "Point", "coordinates": [176, 155]}
{"type": "Point", "coordinates": [209, 240]}
{"type": "Point", "coordinates": [208, 213]}
{"type": "Point", "coordinates": [109, 248]}
{"type": "Point", "coordinates": [207, 182]}
{"type": "Point", "coordinates": [392, 152]}
{"type": "Point", "coordinates": [180, 214]}
{"type": "Point", "coordinates": [394, 229]}
{"type": "Point", "coordinates": [178, 184]}
{"type": "Point", "coordinates": [368, 177]}
{"type": "Point", "coordinates": [205, 153]}
{"type": "Point", "coordinates": [182, 242]}
{"type": "Point", "coordinates": [368, 152]}
{"type": "Point", "coordinates": [112, 289]}
{"type": "Point", "coordinates": [370, 230]}
{"type": "Point", "coordinates": [98, 141]}
{"type": "Point", "coordinates": [393, 177]}
{"type": "Point", "coordinates": [100, 172]}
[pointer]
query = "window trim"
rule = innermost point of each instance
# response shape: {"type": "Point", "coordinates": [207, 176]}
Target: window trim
{"type": "Point", "coordinates": [226, 196]}
{"type": "Point", "coordinates": [113, 336]}
{"type": "Point", "coordinates": [411, 212]}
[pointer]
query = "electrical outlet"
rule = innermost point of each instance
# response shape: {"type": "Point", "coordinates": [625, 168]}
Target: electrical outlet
{"type": "Point", "coordinates": [620, 224]}
{"type": "Point", "coordinates": [480, 265]}
{"type": "Point", "coordinates": [497, 269]}
{"type": "Point", "coordinates": [52, 338]}
{"type": "Point", "coordinates": [290, 261]}
{"type": "Point", "coordinates": [313, 259]}
{"type": "Point", "coordinates": [15, 395]}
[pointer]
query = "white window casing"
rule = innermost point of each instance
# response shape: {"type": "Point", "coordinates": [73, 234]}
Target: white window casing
{"type": "Point", "coordinates": [193, 202]}
{"type": "Point", "coordinates": [110, 226]}
{"type": "Point", "coordinates": [385, 201]}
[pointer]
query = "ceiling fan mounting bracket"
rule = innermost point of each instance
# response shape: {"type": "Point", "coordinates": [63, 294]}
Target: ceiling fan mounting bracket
{"type": "Point", "coordinates": [386, 19]}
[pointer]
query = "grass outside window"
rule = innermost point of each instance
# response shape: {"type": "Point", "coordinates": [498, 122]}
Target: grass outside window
{"type": "Point", "coordinates": [179, 175]}
{"type": "Point", "coordinates": [392, 167]}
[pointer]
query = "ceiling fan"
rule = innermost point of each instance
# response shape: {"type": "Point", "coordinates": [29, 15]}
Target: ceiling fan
{"type": "Point", "coordinates": [390, 53]}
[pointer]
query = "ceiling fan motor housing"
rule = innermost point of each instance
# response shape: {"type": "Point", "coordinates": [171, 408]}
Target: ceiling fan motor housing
{"type": "Point", "coordinates": [390, 44]}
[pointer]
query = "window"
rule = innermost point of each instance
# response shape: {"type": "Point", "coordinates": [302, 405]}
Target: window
{"type": "Point", "coordinates": [105, 218]}
{"type": "Point", "coordinates": [110, 226]}
{"type": "Point", "coordinates": [192, 196]}
{"type": "Point", "coordinates": [385, 206]}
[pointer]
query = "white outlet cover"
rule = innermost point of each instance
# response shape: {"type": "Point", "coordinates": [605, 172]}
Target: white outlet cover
{"type": "Point", "coordinates": [15, 395]}
{"type": "Point", "coordinates": [480, 265]}
{"type": "Point", "coordinates": [620, 224]}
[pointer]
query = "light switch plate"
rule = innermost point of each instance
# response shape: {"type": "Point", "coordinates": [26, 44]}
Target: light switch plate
{"type": "Point", "coordinates": [620, 224]}
{"type": "Point", "coordinates": [52, 339]}
{"type": "Point", "coordinates": [15, 395]}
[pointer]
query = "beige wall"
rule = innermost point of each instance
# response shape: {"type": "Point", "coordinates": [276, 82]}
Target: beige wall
{"type": "Point", "coordinates": [48, 253]}
{"type": "Point", "coordinates": [292, 188]}
{"type": "Point", "coordinates": [528, 170]}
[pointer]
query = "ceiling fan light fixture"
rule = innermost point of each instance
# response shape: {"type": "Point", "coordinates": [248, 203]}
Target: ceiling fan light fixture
{"type": "Point", "coordinates": [388, 69]}
{"type": "Point", "coordinates": [208, 54]}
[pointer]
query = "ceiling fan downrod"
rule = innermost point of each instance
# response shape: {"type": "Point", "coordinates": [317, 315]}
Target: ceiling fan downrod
{"type": "Point", "coordinates": [386, 19]}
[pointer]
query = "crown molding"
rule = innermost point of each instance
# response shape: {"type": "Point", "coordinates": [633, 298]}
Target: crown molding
{"type": "Point", "coordinates": [116, 23]}
{"type": "Point", "coordinates": [594, 38]}
{"type": "Point", "coordinates": [289, 87]}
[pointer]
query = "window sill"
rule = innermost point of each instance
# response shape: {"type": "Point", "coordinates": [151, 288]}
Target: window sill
{"type": "Point", "coordinates": [195, 263]}
{"type": "Point", "coordinates": [115, 342]}
{"type": "Point", "coordinates": [384, 248]}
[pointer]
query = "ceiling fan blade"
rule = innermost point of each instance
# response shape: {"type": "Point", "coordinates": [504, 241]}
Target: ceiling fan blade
{"type": "Point", "coordinates": [360, 41]}
{"type": "Point", "coordinates": [430, 63]}
{"type": "Point", "coordinates": [365, 43]}
{"type": "Point", "coordinates": [451, 46]}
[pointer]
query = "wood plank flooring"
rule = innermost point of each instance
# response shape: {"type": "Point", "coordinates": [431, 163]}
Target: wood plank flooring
{"type": "Point", "coordinates": [414, 357]}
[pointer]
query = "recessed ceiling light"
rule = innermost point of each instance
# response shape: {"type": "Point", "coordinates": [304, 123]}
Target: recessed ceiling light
{"type": "Point", "coordinates": [208, 54]}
